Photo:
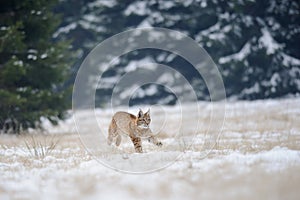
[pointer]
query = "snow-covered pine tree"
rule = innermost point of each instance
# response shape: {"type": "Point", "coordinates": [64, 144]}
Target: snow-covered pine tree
{"type": "Point", "coordinates": [33, 68]}
{"type": "Point", "coordinates": [254, 43]}
{"type": "Point", "coordinates": [260, 58]}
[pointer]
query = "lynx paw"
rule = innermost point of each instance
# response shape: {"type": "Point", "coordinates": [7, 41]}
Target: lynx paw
{"type": "Point", "coordinates": [159, 144]}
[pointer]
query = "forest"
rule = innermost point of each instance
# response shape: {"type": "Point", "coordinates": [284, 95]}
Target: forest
{"type": "Point", "coordinates": [255, 45]}
{"type": "Point", "coordinates": [150, 99]}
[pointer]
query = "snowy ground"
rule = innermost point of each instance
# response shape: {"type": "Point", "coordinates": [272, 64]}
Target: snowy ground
{"type": "Point", "coordinates": [257, 156]}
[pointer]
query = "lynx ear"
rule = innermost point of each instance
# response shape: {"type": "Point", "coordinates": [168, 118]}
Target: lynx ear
{"type": "Point", "coordinates": [140, 114]}
{"type": "Point", "coordinates": [148, 112]}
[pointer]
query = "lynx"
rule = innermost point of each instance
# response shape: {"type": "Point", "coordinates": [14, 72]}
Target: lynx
{"type": "Point", "coordinates": [136, 127]}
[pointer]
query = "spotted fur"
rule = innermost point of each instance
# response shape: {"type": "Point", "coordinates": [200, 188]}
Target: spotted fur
{"type": "Point", "coordinates": [136, 127]}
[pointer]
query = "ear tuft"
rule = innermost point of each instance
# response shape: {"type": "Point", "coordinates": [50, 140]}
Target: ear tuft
{"type": "Point", "coordinates": [148, 112]}
{"type": "Point", "coordinates": [140, 114]}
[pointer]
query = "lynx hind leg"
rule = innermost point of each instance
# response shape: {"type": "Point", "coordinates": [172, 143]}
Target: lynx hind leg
{"type": "Point", "coordinates": [155, 141]}
{"type": "Point", "coordinates": [110, 137]}
{"type": "Point", "coordinates": [118, 140]}
{"type": "Point", "coordinates": [137, 142]}
{"type": "Point", "coordinates": [112, 132]}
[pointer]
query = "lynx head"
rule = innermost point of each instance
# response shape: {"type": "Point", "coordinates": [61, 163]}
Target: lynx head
{"type": "Point", "coordinates": [143, 119]}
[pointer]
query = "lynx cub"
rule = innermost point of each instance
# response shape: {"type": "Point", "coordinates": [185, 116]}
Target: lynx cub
{"type": "Point", "coordinates": [133, 126]}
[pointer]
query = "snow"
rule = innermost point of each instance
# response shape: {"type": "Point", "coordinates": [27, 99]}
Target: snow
{"type": "Point", "coordinates": [32, 51]}
{"type": "Point", "coordinates": [166, 78]}
{"type": "Point", "coordinates": [275, 79]}
{"type": "Point", "coordinates": [44, 55]}
{"type": "Point", "coordinates": [289, 60]}
{"type": "Point", "coordinates": [156, 17]}
{"type": "Point", "coordinates": [239, 56]}
{"type": "Point", "coordinates": [256, 154]}
{"type": "Point", "coordinates": [36, 12]}
{"type": "Point", "coordinates": [137, 8]}
{"type": "Point", "coordinates": [31, 57]}
{"type": "Point", "coordinates": [248, 21]}
{"type": "Point", "coordinates": [170, 57]}
{"type": "Point", "coordinates": [295, 73]}
{"type": "Point", "coordinates": [268, 42]}
{"type": "Point", "coordinates": [216, 32]}
{"type": "Point", "coordinates": [145, 24]}
{"type": "Point", "coordinates": [252, 90]}
{"type": "Point", "coordinates": [127, 93]}
{"type": "Point", "coordinates": [18, 63]}
{"type": "Point", "coordinates": [166, 5]}
{"type": "Point", "coordinates": [149, 91]}
{"type": "Point", "coordinates": [108, 82]}
{"type": "Point", "coordinates": [101, 3]}
{"type": "Point", "coordinates": [166, 101]}
{"type": "Point", "coordinates": [133, 65]}
{"type": "Point", "coordinates": [203, 3]}
{"type": "Point", "coordinates": [91, 18]}
{"type": "Point", "coordinates": [207, 32]}
{"type": "Point", "coordinates": [4, 28]}
{"type": "Point", "coordinates": [65, 29]}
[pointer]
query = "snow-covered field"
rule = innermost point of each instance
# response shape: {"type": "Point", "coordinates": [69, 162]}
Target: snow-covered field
{"type": "Point", "coordinates": [256, 156]}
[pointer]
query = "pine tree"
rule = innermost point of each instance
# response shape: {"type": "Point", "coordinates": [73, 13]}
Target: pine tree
{"type": "Point", "coordinates": [33, 67]}
{"type": "Point", "coordinates": [261, 61]}
{"type": "Point", "coordinates": [254, 43]}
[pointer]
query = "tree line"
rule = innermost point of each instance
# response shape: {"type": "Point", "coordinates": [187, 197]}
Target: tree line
{"type": "Point", "coordinates": [255, 44]}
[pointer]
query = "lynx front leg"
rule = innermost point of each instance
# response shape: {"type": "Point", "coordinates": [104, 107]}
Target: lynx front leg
{"type": "Point", "coordinates": [151, 138]}
{"type": "Point", "coordinates": [137, 144]}
{"type": "Point", "coordinates": [154, 140]}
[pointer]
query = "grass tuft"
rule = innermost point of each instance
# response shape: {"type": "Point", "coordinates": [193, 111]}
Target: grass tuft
{"type": "Point", "coordinates": [41, 148]}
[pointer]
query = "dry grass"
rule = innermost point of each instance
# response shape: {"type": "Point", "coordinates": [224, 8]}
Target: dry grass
{"type": "Point", "coordinates": [43, 166]}
{"type": "Point", "coordinates": [41, 149]}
